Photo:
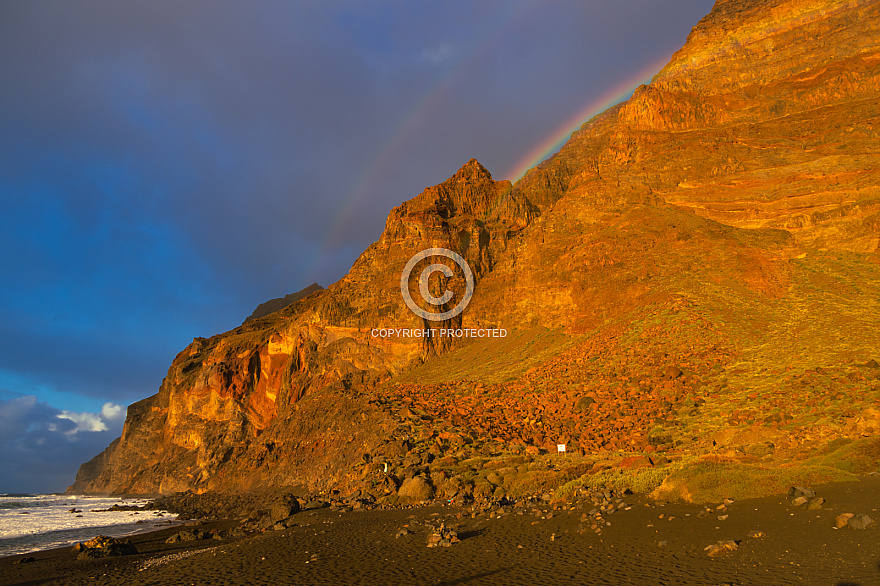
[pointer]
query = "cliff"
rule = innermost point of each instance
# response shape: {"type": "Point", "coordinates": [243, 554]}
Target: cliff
{"type": "Point", "coordinates": [707, 241]}
{"type": "Point", "coordinates": [766, 118]}
{"type": "Point", "coordinates": [282, 399]}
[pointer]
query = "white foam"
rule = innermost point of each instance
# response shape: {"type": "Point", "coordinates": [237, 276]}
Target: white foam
{"type": "Point", "coordinates": [35, 522]}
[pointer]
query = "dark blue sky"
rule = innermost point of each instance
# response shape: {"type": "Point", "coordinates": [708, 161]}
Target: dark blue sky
{"type": "Point", "coordinates": [166, 166]}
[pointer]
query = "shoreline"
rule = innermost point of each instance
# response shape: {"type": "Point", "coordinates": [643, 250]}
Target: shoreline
{"type": "Point", "coordinates": [531, 542]}
{"type": "Point", "coordinates": [35, 522]}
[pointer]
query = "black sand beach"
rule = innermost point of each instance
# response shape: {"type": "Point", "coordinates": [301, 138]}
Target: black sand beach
{"type": "Point", "coordinates": [649, 544]}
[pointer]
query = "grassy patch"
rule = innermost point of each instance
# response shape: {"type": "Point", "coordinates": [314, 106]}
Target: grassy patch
{"type": "Point", "coordinates": [711, 479]}
{"type": "Point", "coordinates": [539, 481]}
{"type": "Point", "coordinates": [858, 457]}
{"type": "Point", "coordinates": [642, 480]}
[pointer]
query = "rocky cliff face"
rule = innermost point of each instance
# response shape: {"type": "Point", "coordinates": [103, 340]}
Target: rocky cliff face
{"type": "Point", "coordinates": [722, 203]}
{"type": "Point", "coordinates": [282, 399]}
{"type": "Point", "coordinates": [767, 117]}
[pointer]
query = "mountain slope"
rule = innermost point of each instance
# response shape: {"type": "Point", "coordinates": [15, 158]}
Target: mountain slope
{"type": "Point", "coordinates": [273, 305]}
{"type": "Point", "coordinates": [669, 281]}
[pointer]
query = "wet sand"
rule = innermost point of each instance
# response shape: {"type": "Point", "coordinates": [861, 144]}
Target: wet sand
{"type": "Point", "coordinates": [798, 546]}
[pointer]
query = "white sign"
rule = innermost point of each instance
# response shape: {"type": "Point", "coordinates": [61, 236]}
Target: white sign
{"type": "Point", "coordinates": [560, 448]}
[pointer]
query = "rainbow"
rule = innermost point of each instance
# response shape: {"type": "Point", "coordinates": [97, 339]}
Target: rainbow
{"type": "Point", "coordinates": [554, 141]}
{"type": "Point", "coordinates": [383, 162]}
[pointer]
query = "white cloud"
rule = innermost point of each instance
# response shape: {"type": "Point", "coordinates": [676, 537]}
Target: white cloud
{"type": "Point", "coordinates": [42, 446]}
{"type": "Point", "coordinates": [21, 415]}
{"type": "Point", "coordinates": [83, 421]}
{"type": "Point", "coordinates": [112, 412]}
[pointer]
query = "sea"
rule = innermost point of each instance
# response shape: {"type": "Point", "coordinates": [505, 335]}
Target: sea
{"type": "Point", "coordinates": [34, 522]}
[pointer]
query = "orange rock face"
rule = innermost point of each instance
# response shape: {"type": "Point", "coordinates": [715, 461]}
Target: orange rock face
{"type": "Point", "coordinates": [732, 199]}
{"type": "Point", "coordinates": [767, 118]}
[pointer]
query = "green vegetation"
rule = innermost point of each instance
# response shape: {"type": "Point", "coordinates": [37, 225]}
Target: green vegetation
{"type": "Point", "coordinates": [711, 480]}
{"type": "Point", "coordinates": [642, 480]}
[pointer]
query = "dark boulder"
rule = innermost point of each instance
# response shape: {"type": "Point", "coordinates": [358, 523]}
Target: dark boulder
{"type": "Point", "coordinates": [103, 546]}
{"type": "Point", "coordinates": [859, 521]}
{"type": "Point", "coordinates": [800, 491]}
{"type": "Point", "coordinates": [283, 508]}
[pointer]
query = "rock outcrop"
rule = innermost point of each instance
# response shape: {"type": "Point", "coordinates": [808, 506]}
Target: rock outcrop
{"type": "Point", "coordinates": [715, 216]}
{"type": "Point", "coordinates": [280, 303]}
